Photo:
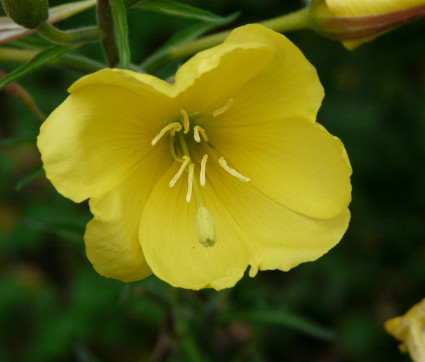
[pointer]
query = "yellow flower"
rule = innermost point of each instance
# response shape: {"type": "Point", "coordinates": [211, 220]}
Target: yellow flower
{"type": "Point", "coordinates": [410, 330]}
{"type": "Point", "coordinates": [358, 21]}
{"type": "Point", "coordinates": [198, 179]}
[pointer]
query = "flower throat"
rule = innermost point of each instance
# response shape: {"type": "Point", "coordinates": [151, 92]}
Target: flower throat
{"type": "Point", "coordinates": [190, 147]}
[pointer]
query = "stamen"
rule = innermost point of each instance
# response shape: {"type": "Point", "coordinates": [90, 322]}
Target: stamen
{"type": "Point", "coordinates": [205, 227]}
{"type": "Point", "coordinates": [223, 109]}
{"type": "Point", "coordinates": [186, 123]}
{"type": "Point", "coordinates": [190, 182]}
{"type": "Point", "coordinates": [199, 130]}
{"type": "Point", "coordinates": [176, 126]}
{"type": "Point", "coordinates": [232, 171]}
{"type": "Point", "coordinates": [203, 165]}
{"type": "Point", "coordinates": [173, 150]}
{"type": "Point", "coordinates": [173, 181]}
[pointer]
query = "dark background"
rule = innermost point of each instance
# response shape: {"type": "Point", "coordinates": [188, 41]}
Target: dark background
{"type": "Point", "coordinates": [54, 307]}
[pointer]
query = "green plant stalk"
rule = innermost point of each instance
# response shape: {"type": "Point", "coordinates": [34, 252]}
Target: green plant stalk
{"type": "Point", "coordinates": [289, 22]}
{"type": "Point", "coordinates": [129, 3]}
{"type": "Point", "coordinates": [106, 23]}
{"type": "Point", "coordinates": [75, 62]}
{"type": "Point", "coordinates": [69, 37]}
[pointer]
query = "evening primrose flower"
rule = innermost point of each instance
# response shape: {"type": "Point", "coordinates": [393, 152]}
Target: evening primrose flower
{"type": "Point", "coordinates": [358, 21]}
{"type": "Point", "coordinates": [196, 180]}
{"type": "Point", "coordinates": [410, 330]}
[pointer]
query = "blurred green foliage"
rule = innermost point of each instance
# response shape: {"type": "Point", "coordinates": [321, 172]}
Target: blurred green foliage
{"type": "Point", "coordinates": [55, 307]}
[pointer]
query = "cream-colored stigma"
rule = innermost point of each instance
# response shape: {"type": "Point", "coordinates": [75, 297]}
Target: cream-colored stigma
{"type": "Point", "coordinates": [205, 227]}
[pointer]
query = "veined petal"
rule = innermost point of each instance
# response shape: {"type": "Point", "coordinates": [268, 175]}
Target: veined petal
{"type": "Point", "coordinates": [367, 7]}
{"type": "Point", "coordinates": [170, 242]}
{"type": "Point", "coordinates": [112, 240]}
{"type": "Point", "coordinates": [277, 237]}
{"type": "Point", "coordinates": [98, 134]}
{"type": "Point", "coordinates": [287, 86]}
{"type": "Point", "coordinates": [210, 77]}
{"type": "Point", "coordinates": [296, 163]}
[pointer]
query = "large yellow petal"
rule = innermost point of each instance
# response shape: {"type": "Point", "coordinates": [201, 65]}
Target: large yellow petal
{"type": "Point", "coordinates": [251, 230]}
{"type": "Point", "coordinates": [208, 79]}
{"type": "Point", "coordinates": [296, 163]}
{"type": "Point", "coordinates": [170, 243]}
{"type": "Point", "coordinates": [139, 83]}
{"type": "Point", "coordinates": [367, 7]}
{"type": "Point", "coordinates": [286, 87]}
{"type": "Point", "coordinates": [112, 240]}
{"type": "Point", "coordinates": [99, 133]}
{"type": "Point", "coordinates": [277, 237]}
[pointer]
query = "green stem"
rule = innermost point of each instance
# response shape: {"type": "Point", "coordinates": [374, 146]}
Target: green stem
{"type": "Point", "coordinates": [57, 36]}
{"type": "Point", "coordinates": [106, 23]}
{"type": "Point", "coordinates": [75, 62]}
{"type": "Point", "coordinates": [129, 3]}
{"type": "Point", "coordinates": [294, 21]}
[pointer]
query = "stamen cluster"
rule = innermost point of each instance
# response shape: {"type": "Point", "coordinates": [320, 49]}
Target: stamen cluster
{"type": "Point", "coordinates": [189, 146]}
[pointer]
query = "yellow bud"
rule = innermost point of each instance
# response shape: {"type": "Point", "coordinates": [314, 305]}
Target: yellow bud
{"type": "Point", "coordinates": [28, 13]}
{"type": "Point", "coordinates": [362, 24]}
{"type": "Point", "coordinates": [205, 227]}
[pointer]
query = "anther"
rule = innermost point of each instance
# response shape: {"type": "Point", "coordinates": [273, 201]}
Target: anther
{"type": "Point", "coordinates": [173, 181]}
{"type": "Point", "coordinates": [203, 166]}
{"type": "Point", "coordinates": [232, 171]}
{"type": "Point", "coordinates": [186, 123]}
{"type": "Point", "coordinates": [205, 227]}
{"type": "Point", "coordinates": [190, 182]}
{"type": "Point", "coordinates": [223, 109]}
{"type": "Point", "coordinates": [176, 126]}
{"type": "Point", "coordinates": [199, 130]}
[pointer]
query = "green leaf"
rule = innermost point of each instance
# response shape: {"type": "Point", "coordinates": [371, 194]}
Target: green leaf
{"type": "Point", "coordinates": [174, 8]}
{"type": "Point", "coordinates": [32, 175]}
{"type": "Point", "coordinates": [46, 56]}
{"type": "Point", "coordinates": [160, 56]}
{"type": "Point", "coordinates": [119, 15]}
{"type": "Point", "coordinates": [283, 318]}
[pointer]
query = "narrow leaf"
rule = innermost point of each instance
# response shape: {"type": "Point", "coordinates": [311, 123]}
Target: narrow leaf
{"type": "Point", "coordinates": [174, 8]}
{"type": "Point", "coordinates": [282, 318]}
{"type": "Point", "coordinates": [22, 94]}
{"type": "Point", "coordinates": [186, 35]}
{"type": "Point", "coordinates": [48, 55]}
{"type": "Point", "coordinates": [7, 142]}
{"type": "Point", "coordinates": [67, 229]}
{"type": "Point", "coordinates": [32, 175]}
{"type": "Point", "coordinates": [119, 15]}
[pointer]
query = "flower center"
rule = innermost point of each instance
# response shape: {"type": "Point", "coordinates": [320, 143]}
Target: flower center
{"type": "Point", "coordinates": [190, 147]}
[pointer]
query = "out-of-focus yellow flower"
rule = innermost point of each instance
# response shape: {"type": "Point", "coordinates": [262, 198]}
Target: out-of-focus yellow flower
{"type": "Point", "coordinates": [358, 21]}
{"type": "Point", "coordinates": [410, 330]}
{"type": "Point", "coordinates": [198, 179]}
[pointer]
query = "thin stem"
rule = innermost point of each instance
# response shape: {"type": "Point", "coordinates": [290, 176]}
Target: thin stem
{"type": "Point", "coordinates": [288, 22]}
{"type": "Point", "coordinates": [106, 23]}
{"type": "Point", "coordinates": [75, 62]}
{"type": "Point", "coordinates": [57, 36]}
{"type": "Point", "coordinates": [129, 3]}
{"type": "Point", "coordinates": [17, 55]}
